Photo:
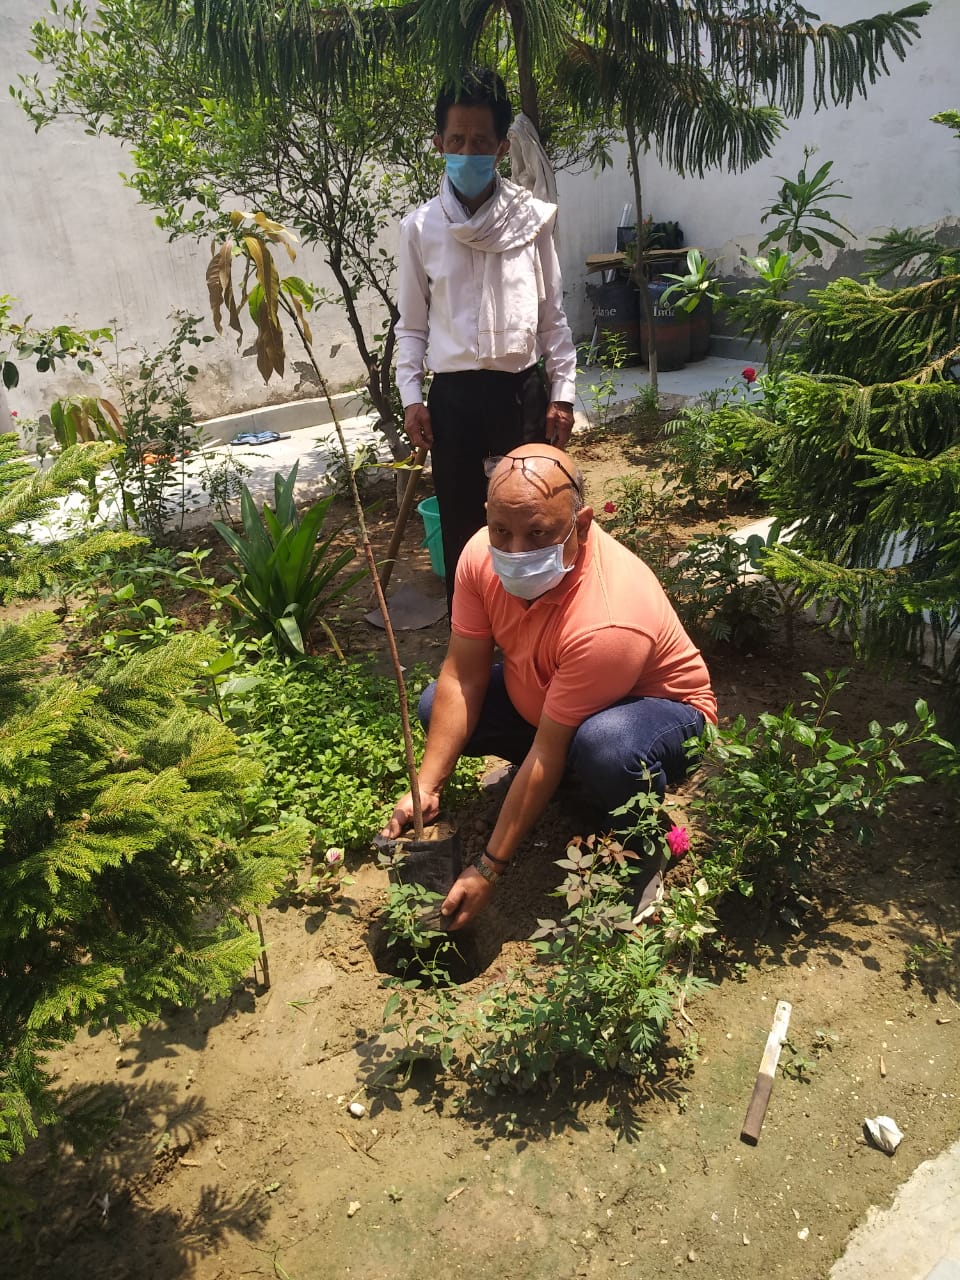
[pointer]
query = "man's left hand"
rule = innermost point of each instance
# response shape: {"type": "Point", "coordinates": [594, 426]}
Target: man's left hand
{"type": "Point", "coordinates": [559, 423]}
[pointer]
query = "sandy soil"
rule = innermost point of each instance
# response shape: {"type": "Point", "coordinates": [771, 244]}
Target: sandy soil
{"type": "Point", "coordinates": [236, 1155]}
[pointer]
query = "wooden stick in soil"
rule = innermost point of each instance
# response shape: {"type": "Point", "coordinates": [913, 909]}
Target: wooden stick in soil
{"type": "Point", "coordinates": [753, 1121]}
{"type": "Point", "coordinates": [374, 577]}
{"type": "Point", "coordinates": [403, 515]}
{"type": "Point", "coordinates": [264, 966]}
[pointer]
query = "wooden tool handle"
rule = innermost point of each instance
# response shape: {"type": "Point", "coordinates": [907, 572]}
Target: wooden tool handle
{"type": "Point", "coordinates": [386, 568]}
{"type": "Point", "coordinates": [753, 1121]}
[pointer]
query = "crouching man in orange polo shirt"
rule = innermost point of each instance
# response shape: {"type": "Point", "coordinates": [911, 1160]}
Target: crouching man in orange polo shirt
{"type": "Point", "coordinates": [598, 676]}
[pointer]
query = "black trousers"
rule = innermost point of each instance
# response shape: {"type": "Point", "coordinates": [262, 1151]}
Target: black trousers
{"type": "Point", "coordinates": [474, 415]}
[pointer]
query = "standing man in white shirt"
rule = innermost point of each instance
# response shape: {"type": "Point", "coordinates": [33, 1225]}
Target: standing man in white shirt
{"type": "Point", "coordinates": [481, 306]}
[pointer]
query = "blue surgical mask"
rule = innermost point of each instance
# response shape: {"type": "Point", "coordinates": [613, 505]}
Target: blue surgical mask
{"type": "Point", "coordinates": [470, 174]}
{"type": "Point", "coordinates": [530, 574]}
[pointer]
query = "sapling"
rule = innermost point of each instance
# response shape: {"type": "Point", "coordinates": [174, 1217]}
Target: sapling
{"type": "Point", "coordinates": [268, 297]}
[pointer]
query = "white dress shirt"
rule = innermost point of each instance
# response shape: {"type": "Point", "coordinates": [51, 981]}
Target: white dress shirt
{"type": "Point", "coordinates": [439, 296]}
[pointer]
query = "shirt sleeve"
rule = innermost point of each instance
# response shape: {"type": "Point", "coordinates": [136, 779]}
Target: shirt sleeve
{"type": "Point", "coordinates": [595, 670]}
{"type": "Point", "coordinates": [413, 303]}
{"type": "Point", "coordinates": [553, 332]}
{"type": "Point", "coordinates": [469, 616]}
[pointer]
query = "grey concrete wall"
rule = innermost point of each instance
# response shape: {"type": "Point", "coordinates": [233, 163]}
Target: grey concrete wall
{"type": "Point", "coordinates": [77, 246]}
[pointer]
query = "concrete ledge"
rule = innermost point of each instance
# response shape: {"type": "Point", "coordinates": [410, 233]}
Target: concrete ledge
{"type": "Point", "coordinates": [294, 415]}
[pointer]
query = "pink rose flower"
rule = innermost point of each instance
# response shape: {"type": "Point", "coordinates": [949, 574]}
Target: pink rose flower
{"type": "Point", "coordinates": [334, 856]}
{"type": "Point", "coordinates": [14, 414]}
{"type": "Point", "coordinates": [610, 508]}
{"type": "Point", "coordinates": [678, 840]}
{"type": "Point", "coordinates": [748, 375]}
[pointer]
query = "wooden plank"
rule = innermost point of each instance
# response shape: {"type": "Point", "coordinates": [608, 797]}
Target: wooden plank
{"type": "Point", "coordinates": [753, 1121]}
{"type": "Point", "coordinates": [607, 261]}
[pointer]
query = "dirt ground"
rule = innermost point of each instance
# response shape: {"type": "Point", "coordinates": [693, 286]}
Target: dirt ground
{"type": "Point", "coordinates": [236, 1154]}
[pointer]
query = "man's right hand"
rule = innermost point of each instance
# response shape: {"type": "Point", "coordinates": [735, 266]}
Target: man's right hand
{"type": "Point", "coordinates": [416, 423]}
{"type": "Point", "coordinates": [403, 813]}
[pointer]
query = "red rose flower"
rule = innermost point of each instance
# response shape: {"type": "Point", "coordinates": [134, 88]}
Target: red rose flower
{"type": "Point", "coordinates": [748, 375]}
{"type": "Point", "coordinates": [610, 508]}
{"type": "Point", "coordinates": [678, 840]}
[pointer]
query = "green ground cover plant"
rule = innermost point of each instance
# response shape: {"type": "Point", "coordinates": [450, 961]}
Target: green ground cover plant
{"type": "Point", "coordinates": [325, 734]}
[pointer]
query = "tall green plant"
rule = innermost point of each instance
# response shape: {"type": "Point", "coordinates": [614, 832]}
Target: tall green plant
{"type": "Point", "coordinates": [285, 577]}
{"type": "Point", "coordinates": [125, 866]}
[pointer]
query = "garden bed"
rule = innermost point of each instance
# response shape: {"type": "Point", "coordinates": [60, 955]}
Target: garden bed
{"type": "Point", "coordinates": [236, 1154]}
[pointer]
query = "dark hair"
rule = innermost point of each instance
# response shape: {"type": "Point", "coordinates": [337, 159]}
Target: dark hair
{"type": "Point", "coordinates": [477, 87]}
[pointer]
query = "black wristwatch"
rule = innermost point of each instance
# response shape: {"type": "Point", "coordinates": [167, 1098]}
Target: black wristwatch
{"type": "Point", "coordinates": [490, 874]}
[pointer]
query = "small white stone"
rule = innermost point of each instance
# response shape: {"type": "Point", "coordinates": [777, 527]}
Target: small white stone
{"type": "Point", "coordinates": [357, 1109]}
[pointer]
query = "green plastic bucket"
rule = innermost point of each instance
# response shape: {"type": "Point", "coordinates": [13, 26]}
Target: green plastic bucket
{"type": "Point", "coordinates": [430, 515]}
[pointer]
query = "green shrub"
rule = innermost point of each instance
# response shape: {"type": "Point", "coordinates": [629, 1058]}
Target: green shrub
{"type": "Point", "coordinates": [124, 854]}
{"type": "Point", "coordinates": [775, 791]}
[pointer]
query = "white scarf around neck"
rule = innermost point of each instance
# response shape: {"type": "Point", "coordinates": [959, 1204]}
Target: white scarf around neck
{"type": "Point", "coordinates": [501, 229]}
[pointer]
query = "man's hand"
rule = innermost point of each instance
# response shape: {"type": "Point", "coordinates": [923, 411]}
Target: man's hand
{"type": "Point", "coordinates": [559, 423]}
{"type": "Point", "coordinates": [416, 423]}
{"type": "Point", "coordinates": [468, 896]}
{"type": "Point", "coordinates": [403, 813]}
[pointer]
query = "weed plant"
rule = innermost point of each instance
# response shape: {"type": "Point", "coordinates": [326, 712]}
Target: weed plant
{"type": "Point", "coordinates": [598, 398]}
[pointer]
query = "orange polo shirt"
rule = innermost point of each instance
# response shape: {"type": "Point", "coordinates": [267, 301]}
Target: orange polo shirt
{"type": "Point", "coordinates": [606, 632]}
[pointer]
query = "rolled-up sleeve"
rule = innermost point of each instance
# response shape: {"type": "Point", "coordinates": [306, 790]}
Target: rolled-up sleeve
{"type": "Point", "coordinates": [553, 332]}
{"type": "Point", "coordinates": [413, 303]}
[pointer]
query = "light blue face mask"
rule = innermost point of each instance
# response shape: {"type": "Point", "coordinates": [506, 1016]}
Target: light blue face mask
{"type": "Point", "coordinates": [530, 574]}
{"type": "Point", "coordinates": [471, 175]}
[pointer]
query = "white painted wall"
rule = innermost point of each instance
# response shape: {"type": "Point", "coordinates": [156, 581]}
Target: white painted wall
{"type": "Point", "coordinates": [76, 245]}
{"type": "Point", "coordinates": [899, 168]}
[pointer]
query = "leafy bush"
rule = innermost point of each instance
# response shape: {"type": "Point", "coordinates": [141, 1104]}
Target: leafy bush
{"type": "Point", "coordinates": [124, 855]}
{"type": "Point", "coordinates": [714, 586]}
{"type": "Point", "coordinates": [285, 577]}
{"type": "Point", "coordinates": [775, 790]}
{"type": "Point", "coordinates": [161, 457]}
{"type": "Point", "coordinates": [637, 516]}
{"type": "Point", "coordinates": [602, 989]}
{"type": "Point", "coordinates": [720, 444]}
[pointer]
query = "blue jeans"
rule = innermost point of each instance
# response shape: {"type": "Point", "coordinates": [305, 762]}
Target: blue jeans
{"type": "Point", "coordinates": [638, 744]}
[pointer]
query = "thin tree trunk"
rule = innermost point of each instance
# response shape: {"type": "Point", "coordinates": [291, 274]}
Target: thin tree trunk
{"type": "Point", "coordinates": [529, 102]}
{"type": "Point", "coordinates": [375, 578]}
{"type": "Point", "coordinates": [641, 275]}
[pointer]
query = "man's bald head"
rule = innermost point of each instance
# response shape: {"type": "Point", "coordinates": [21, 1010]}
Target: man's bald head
{"type": "Point", "coordinates": [537, 469]}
